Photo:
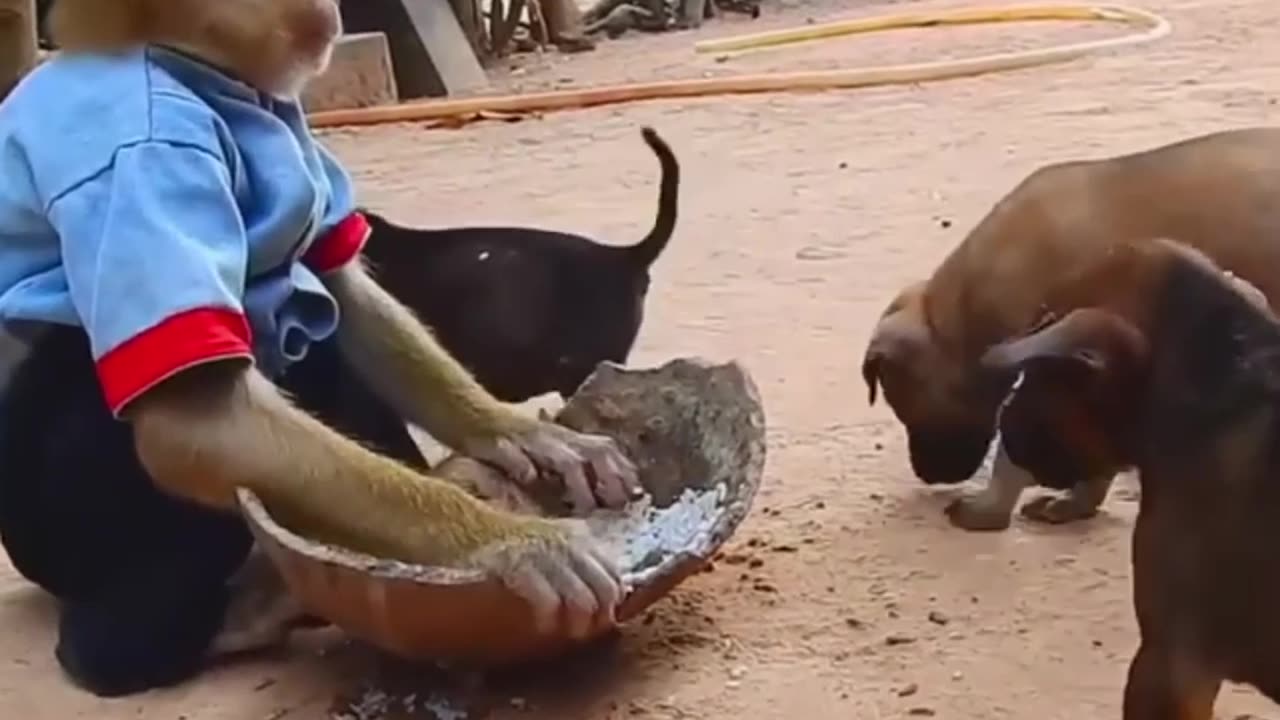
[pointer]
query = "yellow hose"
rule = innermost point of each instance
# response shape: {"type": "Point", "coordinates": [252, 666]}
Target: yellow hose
{"type": "Point", "coordinates": [970, 16]}
{"type": "Point", "coordinates": [1156, 27]}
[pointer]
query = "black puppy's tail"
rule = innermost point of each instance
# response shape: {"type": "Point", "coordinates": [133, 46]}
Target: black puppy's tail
{"type": "Point", "coordinates": [647, 250]}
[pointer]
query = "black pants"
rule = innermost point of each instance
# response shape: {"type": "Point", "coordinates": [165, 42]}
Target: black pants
{"type": "Point", "coordinates": [140, 575]}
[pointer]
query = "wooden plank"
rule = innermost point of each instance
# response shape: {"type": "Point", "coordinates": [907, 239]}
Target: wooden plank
{"type": "Point", "coordinates": [360, 75]}
{"type": "Point", "coordinates": [431, 56]}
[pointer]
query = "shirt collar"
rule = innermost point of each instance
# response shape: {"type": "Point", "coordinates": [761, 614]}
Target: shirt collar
{"type": "Point", "coordinates": [201, 76]}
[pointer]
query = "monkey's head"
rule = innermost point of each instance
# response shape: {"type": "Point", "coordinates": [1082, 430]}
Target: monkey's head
{"type": "Point", "coordinates": [1072, 411]}
{"type": "Point", "coordinates": [948, 408]}
{"type": "Point", "coordinates": [274, 45]}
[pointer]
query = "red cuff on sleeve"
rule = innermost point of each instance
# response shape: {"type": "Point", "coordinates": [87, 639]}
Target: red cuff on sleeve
{"type": "Point", "coordinates": [174, 344]}
{"type": "Point", "coordinates": [339, 246]}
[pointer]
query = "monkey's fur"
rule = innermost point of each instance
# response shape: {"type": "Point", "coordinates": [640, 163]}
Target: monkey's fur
{"type": "Point", "coordinates": [539, 309]}
{"type": "Point", "coordinates": [1175, 372]}
{"type": "Point", "coordinates": [222, 425]}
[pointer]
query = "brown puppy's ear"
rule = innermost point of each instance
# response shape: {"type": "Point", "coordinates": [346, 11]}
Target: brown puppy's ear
{"type": "Point", "coordinates": [899, 336]}
{"type": "Point", "coordinates": [871, 372]}
{"type": "Point", "coordinates": [999, 369]}
{"type": "Point", "coordinates": [896, 344]}
{"type": "Point", "coordinates": [1089, 339]}
{"type": "Point", "coordinates": [871, 376]}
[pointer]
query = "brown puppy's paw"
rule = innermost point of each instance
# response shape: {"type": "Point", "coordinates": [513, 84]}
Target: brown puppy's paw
{"type": "Point", "coordinates": [1057, 510]}
{"type": "Point", "coordinates": [972, 513]}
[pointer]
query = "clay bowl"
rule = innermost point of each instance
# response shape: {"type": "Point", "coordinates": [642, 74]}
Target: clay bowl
{"type": "Point", "coordinates": [696, 433]}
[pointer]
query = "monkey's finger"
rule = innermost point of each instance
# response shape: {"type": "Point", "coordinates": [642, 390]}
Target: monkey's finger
{"type": "Point", "coordinates": [608, 564]}
{"type": "Point", "coordinates": [579, 601]}
{"type": "Point", "coordinates": [628, 472]}
{"type": "Point", "coordinates": [530, 584]}
{"type": "Point", "coordinates": [616, 478]}
{"type": "Point", "coordinates": [512, 460]}
{"type": "Point", "coordinates": [609, 486]}
{"type": "Point", "coordinates": [612, 467]}
{"type": "Point", "coordinates": [576, 483]}
{"type": "Point", "coordinates": [567, 463]}
{"type": "Point", "coordinates": [604, 582]}
{"type": "Point", "coordinates": [586, 542]}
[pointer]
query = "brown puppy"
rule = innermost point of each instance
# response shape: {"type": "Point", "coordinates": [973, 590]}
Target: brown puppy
{"type": "Point", "coordinates": [1177, 376]}
{"type": "Point", "coordinates": [1215, 192]}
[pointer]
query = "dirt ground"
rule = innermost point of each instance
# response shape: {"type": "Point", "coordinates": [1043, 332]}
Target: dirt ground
{"type": "Point", "coordinates": [800, 216]}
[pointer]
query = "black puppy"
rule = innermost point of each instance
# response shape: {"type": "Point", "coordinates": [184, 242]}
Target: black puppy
{"type": "Point", "coordinates": [527, 311]}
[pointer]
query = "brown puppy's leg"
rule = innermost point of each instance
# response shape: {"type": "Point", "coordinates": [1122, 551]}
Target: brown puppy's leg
{"type": "Point", "coordinates": [1164, 686]}
{"type": "Point", "coordinates": [1080, 503]}
{"type": "Point", "coordinates": [992, 507]}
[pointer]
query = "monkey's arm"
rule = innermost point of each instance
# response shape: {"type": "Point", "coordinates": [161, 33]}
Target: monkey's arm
{"type": "Point", "coordinates": [222, 425]}
{"type": "Point", "coordinates": [402, 361]}
{"type": "Point", "coordinates": [405, 365]}
{"type": "Point", "coordinates": [385, 343]}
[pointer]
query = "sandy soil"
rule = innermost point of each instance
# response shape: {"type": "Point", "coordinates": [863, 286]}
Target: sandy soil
{"type": "Point", "coordinates": [801, 216]}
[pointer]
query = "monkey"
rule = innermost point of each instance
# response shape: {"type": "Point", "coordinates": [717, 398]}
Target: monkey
{"type": "Point", "coordinates": [180, 271]}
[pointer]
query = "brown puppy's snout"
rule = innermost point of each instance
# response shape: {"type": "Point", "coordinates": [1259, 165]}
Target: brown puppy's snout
{"type": "Point", "coordinates": [946, 456]}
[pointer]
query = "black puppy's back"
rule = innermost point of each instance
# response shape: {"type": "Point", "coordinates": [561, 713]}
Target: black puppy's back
{"type": "Point", "coordinates": [526, 310]}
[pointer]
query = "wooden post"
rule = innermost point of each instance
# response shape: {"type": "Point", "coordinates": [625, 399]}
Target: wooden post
{"type": "Point", "coordinates": [17, 42]}
{"type": "Point", "coordinates": [430, 52]}
{"type": "Point", "coordinates": [471, 21]}
{"type": "Point", "coordinates": [443, 39]}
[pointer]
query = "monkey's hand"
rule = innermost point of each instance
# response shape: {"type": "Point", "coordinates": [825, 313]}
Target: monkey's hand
{"type": "Point", "coordinates": [409, 369]}
{"type": "Point", "coordinates": [561, 571]}
{"type": "Point", "coordinates": [592, 468]}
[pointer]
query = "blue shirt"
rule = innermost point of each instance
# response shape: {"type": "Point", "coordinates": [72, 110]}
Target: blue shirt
{"type": "Point", "coordinates": [176, 214]}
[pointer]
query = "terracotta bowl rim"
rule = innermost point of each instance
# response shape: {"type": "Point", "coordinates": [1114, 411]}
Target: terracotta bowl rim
{"type": "Point", "coordinates": [729, 516]}
{"type": "Point", "coordinates": [330, 554]}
